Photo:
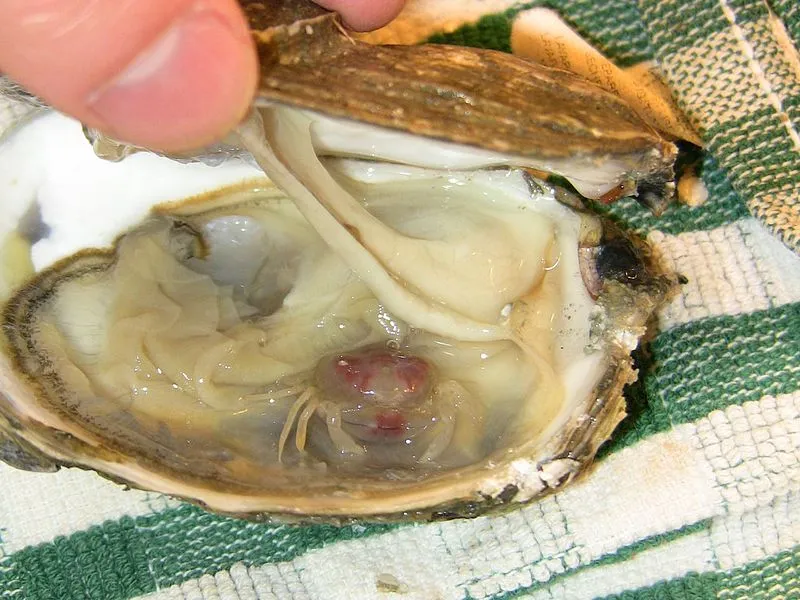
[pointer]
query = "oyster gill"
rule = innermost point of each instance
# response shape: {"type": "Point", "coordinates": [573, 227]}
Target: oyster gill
{"type": "Point", "coordinates": [384, 341]}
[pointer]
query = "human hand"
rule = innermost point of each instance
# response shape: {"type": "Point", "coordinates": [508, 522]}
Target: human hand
{"type": "Point", "coordinates": [166, 74]}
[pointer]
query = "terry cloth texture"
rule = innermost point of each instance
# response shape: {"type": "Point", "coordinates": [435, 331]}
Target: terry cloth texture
{"type": "Point", "coordinates": [698, 494]}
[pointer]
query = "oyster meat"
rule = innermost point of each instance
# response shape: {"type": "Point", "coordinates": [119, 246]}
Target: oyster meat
{"type": "Point", "coordinates": [405, 320]}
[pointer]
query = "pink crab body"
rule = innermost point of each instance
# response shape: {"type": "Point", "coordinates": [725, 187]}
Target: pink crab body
{"type": "Point", "coordinates": [380, 392]}
{"type": "Point", "coordinates": [375, 405]}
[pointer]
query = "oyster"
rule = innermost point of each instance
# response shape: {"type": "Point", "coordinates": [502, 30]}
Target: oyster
{"type": "Point", "coordinates": [404, 321]}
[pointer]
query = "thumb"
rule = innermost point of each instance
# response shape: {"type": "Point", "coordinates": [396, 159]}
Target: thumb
{"type": "Point", "coordinates": [167, 74]}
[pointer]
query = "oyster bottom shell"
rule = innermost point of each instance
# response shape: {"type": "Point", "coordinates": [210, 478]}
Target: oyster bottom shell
{"type": "Point", "coordinates": [468, 352]}
{"type": "Point", "coordinates": [406, 323]}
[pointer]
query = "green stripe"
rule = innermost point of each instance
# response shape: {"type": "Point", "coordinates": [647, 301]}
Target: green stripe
{"type": "Point", "coordinates": [134, 556]}
{"type": "Point", "coordinates": [748, 11]}
{"type": "Point", "coordinates": [769, 161]}
{"type": "Point", "coordinates": [613, 27]}
{"type": "Point", "coordinates": [774, 577]}
{"type": "Point", "coordinates": [789, 12]}
{"type": "Point", "coordinates": [646, 416]}
{"type": "Point", "coordinates": [722, 361]}
{"type": "Point", "coordinates": [621, 555]}
{"type": "Point", "coordinates": [492, 32]}
{"type": "Point", "coordinates": [782, 75]}
{"type": "Point", "coordinates": [10, 585]}
{"type": "Point", "coordinates": [711, 364]}
{"type": "Point", "coordinates": [695, 586]}
{"type": "Point", "coordinates": [791, 105]}
{"type": "Point", "coordinates": [768, 579]}
{"type": "Point", "coordinates": [190, 542]}
{"type": "Point", "coordinates": [674, 25]}
{"type": "Point", "coordinates": [102, 563]}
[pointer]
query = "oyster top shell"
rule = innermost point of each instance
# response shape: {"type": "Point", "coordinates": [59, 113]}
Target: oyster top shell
{"type": "Point", "coordinates": [467, 96]}
{"type": "Point", "coordinates": [410, 327]}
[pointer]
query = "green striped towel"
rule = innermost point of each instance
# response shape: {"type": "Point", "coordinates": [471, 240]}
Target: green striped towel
{"type": "Point", "coordinates": [698, 494]}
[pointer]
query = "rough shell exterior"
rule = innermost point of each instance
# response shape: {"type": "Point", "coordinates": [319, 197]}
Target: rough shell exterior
{"type": "Point", "coordinates": [470, 96]}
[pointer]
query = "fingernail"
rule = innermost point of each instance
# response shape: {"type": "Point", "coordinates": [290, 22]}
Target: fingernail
{"type": "Point", "coordinates": [188, 87]}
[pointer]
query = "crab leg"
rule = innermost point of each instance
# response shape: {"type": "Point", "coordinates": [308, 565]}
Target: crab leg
{"type": "Point", "coordinates": [302, 423]}
{"type": "Point", "coordinates": [340, 439]}
{"type": "Point", "coordinates": [279, 395]}
{"type": "Point", "coordinates": [445, 427]}
{"type": "Point", "coordinates": [290, 418]}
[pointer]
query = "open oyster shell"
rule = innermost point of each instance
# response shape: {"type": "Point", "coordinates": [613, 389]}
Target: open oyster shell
{"type": "Point", "coordinates": [405, 322]}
